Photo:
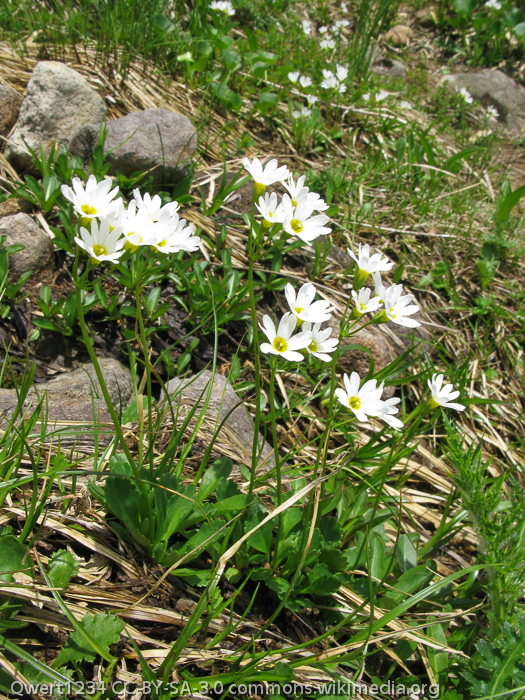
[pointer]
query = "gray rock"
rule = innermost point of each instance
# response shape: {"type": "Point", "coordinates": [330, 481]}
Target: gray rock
{"type": "Point", "coordinates": [156, 140]}
{"type": "Point", "coordinates": [389, 68]}
{"type": "Point", "coordinates": [38, 247]}
{"type": "Point", "coordinates": [58, 100]}
{"type": "Point", "coordinates": [68, 397]}
{"type": "Point", "coordinates": [235, 438]}
{"type": "Point", "coordinates": [10, 102]}
{"type": "Point", "coordinates": [493, 87]}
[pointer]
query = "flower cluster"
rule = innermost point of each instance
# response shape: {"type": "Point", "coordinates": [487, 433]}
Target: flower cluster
{"type": "Point", "coordinates": [224, 6]}
{"type": "Point", "coordinates": [308, 314]}
{"type": "Point", "coordinates": [295, 212]}
{"type": "Point", "coordinates": [108, 228]}
{"type": "Point", "coordinates": [397, 306]}
{"type": "Point", "coordinates": [299, 332]}
{"type": "Point", "coordinates": [335, 81]}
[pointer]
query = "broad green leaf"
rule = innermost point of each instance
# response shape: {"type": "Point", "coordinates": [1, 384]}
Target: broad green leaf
{"type": "Point", "coordinates": [219, 471]}
{"type": "Point", "coordinates": [261, 540]}
{"type": "Point", "coordinates": [321, 581]}
{"type": "Point", "coordinates": [105, 628]}
{"type": "Point", "coordinates": [62, 567]}
{"type": "Point", "coordinates": [406, 553]}
{"type": "Point", "coordinates": [12, 557]}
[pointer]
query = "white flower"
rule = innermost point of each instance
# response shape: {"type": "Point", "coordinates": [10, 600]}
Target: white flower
{"type": "Point", "coordinates": [270, 174]}
{"type": "Point", "coordinates": [363, 303]}
{"type": "Point", "coordinates": [222, 6]}
{"type": "Point", "coordinates": [327, 43]}
{"type": "Point", "coordinates": [96, 200]}
{"type": "Point", "coordinates": [323, 29]}
{"type": "Point", "coordinates": [364, 401]}
{"type": "Point", "coordinates": [305, 81]}
{"type": "Point", "coordinates": [294, 76]}
{"type": "Point", "coordinates": [152, 206]}
{"type": "Point", "coordinates": [344, 7]}
{"type": "Point", "coordinates": [366, 97]}
{"type": "Point", "coordinates": [307, 26]}
{"type": "Point", "coordinates": [379, 288]}
{"type": "Point", "coordinates": [341, 72]}
{"type": "Point", "coordinates": [397, 306]}
{"type": "Point", "coordinates": [270, 208]}
{"type": "Point", "coordinates": [330, 81]}
{"type": "Point", "coordinates": [301, 113]}
{"type": "Point", "coordinates": [311, 99]}
{"type": "Point", "coordinates": [340, 23]}
{"type": "Point", "coordinates": [388, 413]}
{"type": "Point", "coordinates": [493, 5]}
{"type": "Point", "coordinates": [465, 94]}
{"type": "Point", "coordinates": [136, 225]}
{"type": "Point", "coordinates": [492, 112]}
{"type": "Point", "coordinates": [304, 306]}
{"type": "Point", "coordinates": [370, 263]}
{"type": "Point", "coordinates": [404, 105]}
{"type": "Point", "coordinates": [281, 341]}
{"type": "Point", "coordinates": [321, 342]}
{"type": "Point", "coordinates": [381, 95]}
{"type": "Point", "coordinates": [443, 395]}
{"type": "Point", "coordinates": [102, 243]}
{"type": "Point", "coordinates": [174, 235]}
{"type": "Point", "coordinates": [300, 222]}
{"type": "Point", "coordinates": [300, 190]}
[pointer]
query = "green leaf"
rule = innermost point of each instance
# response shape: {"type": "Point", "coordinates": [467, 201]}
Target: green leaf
{"type": "Point", "coordinates": [406, 553]}
{"type": "Point", "coordinates": [12, 557]}
{"type": "Point", "coordinates": [219, 470]}
{"type": "Point", "coordinates": [267, 100]}
{"type": "Point", "coordinates": [321, 581]}
{"type": "Point", "coordinates": [504, 208]}
{"type": "Point", "coordinates": [234, 503]}
{"type": "Point", "coordinates": [62, 567]}
{"type": "Point", "coordinates": [261, 539]}
{"type": "Point", "coordinates": [105, 628]}
{"type": "Point", "coordinates": [519, 30]}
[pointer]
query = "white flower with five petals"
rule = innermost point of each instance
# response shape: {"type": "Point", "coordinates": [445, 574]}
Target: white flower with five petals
{"type": "Point", "coordinates": [303, 305]}
{"type": "Point", "coordinates": [96, 199]}
{"type": "Point", "coordinates": [443, 395]}
{"type": "Point", "coordinates": [281, 340]}
{"type": "Point", "coordinates": [103, 243]}
{"type": "Point", "coordinates": [321, 343]}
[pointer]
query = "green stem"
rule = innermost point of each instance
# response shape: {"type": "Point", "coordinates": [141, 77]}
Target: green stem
{"type": "Point", "coordinates": [144, 345]}
{"type": "Point", "coordinates": [277, 460]}
{"type": "Point", "coordinates": [103, 387]}
{"type": "Point", "coordinates": [257, 360]}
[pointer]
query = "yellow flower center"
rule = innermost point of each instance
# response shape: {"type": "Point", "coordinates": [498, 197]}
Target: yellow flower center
{"type": "Point", "coordinates": [294, 202]}
{"type": "Point", "coordinates": [354, 403]}
{"type": "Point", "coordinates": [313, 346]}
{"type": "Point", "coordinates": [88, 209]}
{"type": "Point", "coordinates": [298, 309]}
{"type": "Point", "coordinates": [161, 244]}
{"type": "Point", "coordinates": [393, 315]}
{"type": "Point", "coordinates": [280, 344]}
{"type": "Point", "coordinates": [296, 225]}
{"type": "Point", "coordinates": [363, 307]}
{"type": "Point", "coordinates": [432, 403]}
{"type": "Point", "coordinates": [99, 249]}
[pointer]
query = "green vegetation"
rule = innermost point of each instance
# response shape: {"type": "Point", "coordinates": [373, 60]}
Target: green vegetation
{"type": "Point", "coordinates": [363, 554]}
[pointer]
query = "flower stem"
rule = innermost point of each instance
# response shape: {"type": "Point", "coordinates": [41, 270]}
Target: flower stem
{"type": "Point", "coordinates": [257, 360]}
{"type": "Point", "coordinates": [144, 346]}
{"type": "Point", "coordinates": [104, 388]}
{"type": "Point", "coordinates": [277, 459]}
